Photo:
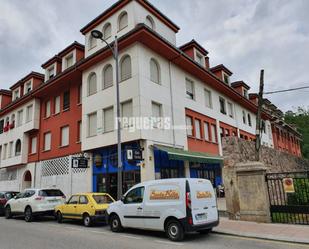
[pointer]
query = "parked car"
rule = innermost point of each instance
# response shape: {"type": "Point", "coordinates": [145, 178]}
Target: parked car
{"type": "Point", "coordinates": [34, 202]}
{"type": "Point", "coordinates": [88, 207]}
{"type": "Point", "coordinates": [175, 206]}
{"type": "Point", "coordinates": [4, 197]}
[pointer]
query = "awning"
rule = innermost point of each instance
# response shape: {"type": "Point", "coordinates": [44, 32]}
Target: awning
{"type": "Point", "coordinates": [183, 155]}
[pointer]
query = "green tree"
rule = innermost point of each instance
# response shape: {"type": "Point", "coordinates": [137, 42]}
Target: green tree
{"type": "Point", "coordinates": [300, 119]}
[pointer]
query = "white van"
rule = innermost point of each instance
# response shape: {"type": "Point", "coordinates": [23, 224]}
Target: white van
{"type": "Point", "coordinates": [176, 206]}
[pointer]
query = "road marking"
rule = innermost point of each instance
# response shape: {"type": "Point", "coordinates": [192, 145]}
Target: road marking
{"type": "Point", "coordinates": [169, 243]}
{"type": "Point", "coordinates": [101, 232]}
{"type": "Point", "coordinates": [299, 244]}
{"type": "Point", "coordinates": [130, 236]}
{"type": "Point", "coordinates": [73, 228]}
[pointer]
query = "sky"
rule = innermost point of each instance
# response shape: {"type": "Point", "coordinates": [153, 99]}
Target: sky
{"type": "Point", "coordinates": [244, 35]}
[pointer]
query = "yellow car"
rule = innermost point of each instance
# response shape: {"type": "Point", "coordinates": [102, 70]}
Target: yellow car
{"type": "Point", "coordinates": [88, 207]}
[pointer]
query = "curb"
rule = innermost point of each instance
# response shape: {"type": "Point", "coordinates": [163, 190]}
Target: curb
{"type": "Point", "coordinates": [261, 238]}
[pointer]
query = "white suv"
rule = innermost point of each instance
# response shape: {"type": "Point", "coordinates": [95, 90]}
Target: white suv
{"type": "Point", "coordinates": [34, 202]}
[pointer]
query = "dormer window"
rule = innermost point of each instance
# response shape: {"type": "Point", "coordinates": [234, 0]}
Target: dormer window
{"type": "Point", "coordinates": [69, 61]}
{"type": "Point", "coordinates": [27, 87]}
{"type": "Point", "coordinates": [246, 93]}
{"type": "Point", "coordinates": [16, 94]}
{"type": "Point", "coordinates": [199, 58]}
{"type": "Point", "coordinates": [50, 72]}
{"type": "Point", "coordinates": [226, 79]}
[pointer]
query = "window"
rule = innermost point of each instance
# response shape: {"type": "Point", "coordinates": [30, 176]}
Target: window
{"type": "Point", "coordinates": [74, 200]}
{"type": "Point", "coordinates": [222, 105]}
{"type": "Point", "coordinates": [92, 42]}
{"type": "Point", "coordinates": [65, 134]}
{"type": "Point", "coordinates": [249, 119]}
{"type": "Point", "coordinates": [29, 113]}
{"type": "Point", "coordinates": [10, 149]}
{"type": "Point", "coordinates": [17, 147]}
{"type": "Point", "coordinates": [47, 141]}
{"type": "Point", "coordinates": [12, 121]}
{"type": "Point", "coordinates": [226, 78]}
{"type": "Point", "coordinates": [27, 87]}
{"type": "Point", "coordinates": [246, 93]}
{"type": "Point", "coordinates": [127, 112]}
{"type": "Point", "coordinates": [150, 23]}
{"type": "Point", "coordinates": [107, 31]}
{"type": "Point", "coordinates": [92, 124]}
{"type": "Point", "coordinates": [1, 126]}
{"type": "Point", "coordinates": [213, 134]}
{"type": "Point", "coordinates": [50, 72]}
{"type": "Point", "coordinates": [244, 117]}
{"type": "Point", "coordinates": [189, 126]}
{"type": "Point", "coordinates": [206, 131]}
{"type": "Point", "coordinates": [108, 116]}
{"type": "Point", "coordinates": [199, 59]}
{"type": "Point", "coordinates": [156, 114]}
{"type": "Point", "coordinates": [125, 68]}
{"type": "Point", "coordinates": [33, 145]}
{"type": "Point", "coordinates": [208, 101]}
{"type": "Point", "coordinates": [197, 129]}
{"type": "Point", "coordinates": [222, 132]}
{"type": "Point", "coordinates": [5, 151]}
{"type": "Point", "coordinates": [79, 131]}
{"type": "Point", "coordinates": [230, 109]}
{"type": "Point", "coordinates": [263, 127]}
{"type": "Point", "coordinates": [134, 196]}
{"type": "Point", "coordinates": [57, 104]}
{"type": "Point", "coordinates": [19, 118]}
{"type": "Point", "coordinates": [189, 89]}
{"type": "Point", "coordinates": [122, 21]}
{"type": "Point", "coordinates": [154, 71]}
{"type": "Point", "coordinates": [16, 94]}
{"type": "Point", "coordinates": [92, 84]}
{"type": "Point", "coordinates": [66, 100]}
{"type": "Point", "coordinates": [80, 94]}
{"type": "Point", "coordinates": [47, 109]}
{"type": "Point", "coordinates": [83, 199]}
{"type": "Point", "coordinates": [69, 61]}
{"type": "Point", "coordinates": [107, 76]}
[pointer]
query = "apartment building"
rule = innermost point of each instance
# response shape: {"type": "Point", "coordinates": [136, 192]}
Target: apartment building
{"type": "Point", "coordinates": [177, 109]}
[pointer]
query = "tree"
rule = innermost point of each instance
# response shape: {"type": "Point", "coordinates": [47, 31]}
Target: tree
{"type": "Point", "coordinates": [300, 119]}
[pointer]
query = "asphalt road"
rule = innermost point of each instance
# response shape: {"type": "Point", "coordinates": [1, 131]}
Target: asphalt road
{"type": "Point", "coordinates": [47, 234]}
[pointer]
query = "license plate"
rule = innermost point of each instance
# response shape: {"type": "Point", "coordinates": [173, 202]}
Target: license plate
{"type": "Point", "coordinates": [53, 200]}
{"type": "Point", "coordinates": [202, 216]}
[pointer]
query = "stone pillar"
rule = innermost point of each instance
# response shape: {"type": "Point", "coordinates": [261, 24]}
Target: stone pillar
{"type": "Point", "coordinates": [246, 192]}
{"type": "Point", "coordinates": [187, 169]}
{"type": "Point", "coordinates": [147, 166]}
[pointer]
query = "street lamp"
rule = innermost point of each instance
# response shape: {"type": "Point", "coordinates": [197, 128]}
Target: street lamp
{"type": "Point", "coordinates": [98, 35]}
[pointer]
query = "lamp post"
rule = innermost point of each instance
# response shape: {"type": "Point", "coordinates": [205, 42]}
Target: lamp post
{"type": "Point", "coordinates": [98, 35]}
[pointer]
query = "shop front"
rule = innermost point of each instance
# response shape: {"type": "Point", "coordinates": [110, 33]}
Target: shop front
{"type": "Point", "coordinates": [105, 169]}
{"type": "Point", "coordinates": [170, 163]}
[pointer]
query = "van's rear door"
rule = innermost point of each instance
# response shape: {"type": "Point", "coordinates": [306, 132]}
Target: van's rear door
{"type": "Point", "coordinates": [203, 201]}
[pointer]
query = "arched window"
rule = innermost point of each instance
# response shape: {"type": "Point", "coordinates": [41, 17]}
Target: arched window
{"type": "Point", "coordinates": [150, 23]}
{"type": "Point", "coordinates": [107, 31]}
{"type": "Point", "coordinates": [17, 147]}
{"type": "Point", "coordinates": [122, 20]}
{"type": "Point", "coordinates": [107, 76]}
{"type": "Point", "coordinates": [92, 84]}
{"type": "Point", "coordinates": [92, 42]}
{"type": "Point", "coordinates": [125, 68]}
{"type": "Point", "coordinates": [154, 71]}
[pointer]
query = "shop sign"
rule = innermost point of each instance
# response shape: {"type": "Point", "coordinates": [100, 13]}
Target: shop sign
{"type": "Point", "coordinates": [134, 155]}
{"type": "Point", "coordinates": [79, 162]}
{"type": "Point", "coordinates": [288, 185]}
{"type": "Point", "coordinates": [98, 160]}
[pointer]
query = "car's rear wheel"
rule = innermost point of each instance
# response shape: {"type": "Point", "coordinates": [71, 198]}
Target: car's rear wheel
{"type": "Point", "coordinates": [115, 224]}
{"type": "Point", "coordinates": [8, 212]}
{"type": "Point", "coordinates": [59, 217]}
{"type": "Point", "coordinates": [87, 220]}
{"type": "Point", "coordinates": [174, 231]}
{"type": "Point", "coordinates": [28, 214]}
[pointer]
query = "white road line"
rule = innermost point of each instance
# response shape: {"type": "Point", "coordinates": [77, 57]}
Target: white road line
{"type": "Point", "coordinates": [101, 232]}
{"type": "Point", "coordinates": [169, 243]}
{"type": "Point", "coordinates": [73, 228]}
{"type": "Point", "coordinates": [130, 237]}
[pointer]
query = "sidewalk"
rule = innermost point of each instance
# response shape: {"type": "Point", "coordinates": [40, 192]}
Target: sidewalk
{"type": "Point", "coordinates": [280, 232]}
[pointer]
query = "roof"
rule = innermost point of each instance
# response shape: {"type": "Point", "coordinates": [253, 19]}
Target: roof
{"type": "Point", "coordinates": [5, 92]}
{"type": "Point", "coordinates": [240, 83]}
{"type": "Point", "coordinates": [55, 58]}
{"type": "Point", "coordinates": [69, 48]}
{"type": "Point", "coordinates": [121, 3]}
{"type": "Point", "coordinates": [221, 67]}
{"type": "Point", "coordinates": [194, 43]}
{"type": "Point", "coordinates": [28, 76]}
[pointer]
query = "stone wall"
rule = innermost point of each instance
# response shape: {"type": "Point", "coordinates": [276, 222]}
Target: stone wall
{"type": "Point", "coordinates": [237, 150]}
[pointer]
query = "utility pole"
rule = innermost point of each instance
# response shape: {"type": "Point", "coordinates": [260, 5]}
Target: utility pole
{"type": "Point", "coordinates": [258, 118]}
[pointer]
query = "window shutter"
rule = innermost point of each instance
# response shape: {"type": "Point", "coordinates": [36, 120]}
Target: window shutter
{"type": "Point", "coordinates": [206, 131]}
{"type": "Point", "coordinates": [47, 141]}
{"type": "Point", "coordinates": [123, 21]}
{"type": "Point", "coordinates": [92, 84]}
{"type": "Point", "coordinates": [33, 145]}
{"type": "Point", "coordinates": [125, 69]}
{"type": "Point", "coordinates": [92, 124]}
{"type": "Point", "coordinates": [108, 119]}
{"type": "Point", "coordinates": [65, 136]}
{"type": "Point", "coordinates": [57, 104]}
{"type": "Point", "coordinates": [47, 108]}
{"type": "Point", "coordinates": [198, 129]}
{"type": "Point", "coordinates": [207, 98]}
{"type": "Point", "coordinates": [156, 110]}
{"type": "Point", "coordinates": [213, 134]}
{"type": "Point", "coordinates": [154, 71]}
{"type": "Point", "coordinates": [127, 109]}
{"type": "Point", "coordinates": [189, 126]}
{"type": "Point", "coordinates": [29, 113]}
{"type": "Point", "coordinates": [107, 31]}
{"type": "Point", "coordinates": [108, 76]}
{"type": "Point", "coordinates": [189, 89]}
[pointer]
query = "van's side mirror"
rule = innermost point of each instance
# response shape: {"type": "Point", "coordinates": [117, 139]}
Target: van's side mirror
{"type": "Point", "coordinates": [15, 197]}
{"type": "Point", "coordinates": [122, 198]}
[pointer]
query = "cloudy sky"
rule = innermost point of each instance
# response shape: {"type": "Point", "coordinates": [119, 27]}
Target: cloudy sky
{"type": "Point", "coordinates": [244, 35]}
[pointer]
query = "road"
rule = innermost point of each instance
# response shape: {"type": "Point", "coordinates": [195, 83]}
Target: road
{"type": "Point", "coordinates": [47, 234]}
